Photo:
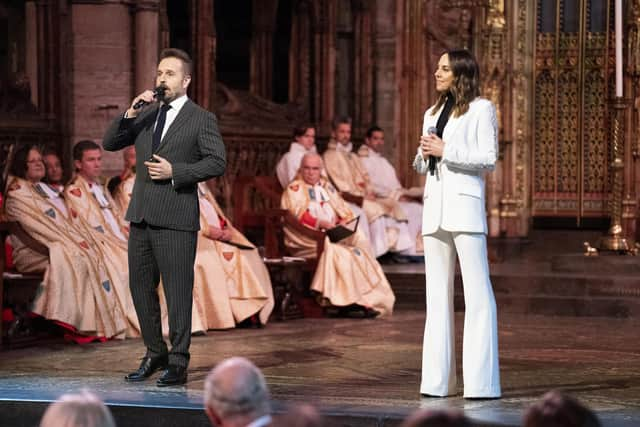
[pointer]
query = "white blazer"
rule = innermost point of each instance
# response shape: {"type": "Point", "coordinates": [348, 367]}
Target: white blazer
{"type": "Point", "coordinates": [454, 197]}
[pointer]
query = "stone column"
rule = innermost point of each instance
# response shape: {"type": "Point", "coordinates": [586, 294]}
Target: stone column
{"type": "Point", "coordinates": [147, 39]}
{"type": "Point", "coordinates": [411, 91]}
{"type": "Point", "coordinates": [204, 53]}
{"type": "Point", "coordinates": [384, 40]}
{"type": "Point", "coordinates": [102, 71]}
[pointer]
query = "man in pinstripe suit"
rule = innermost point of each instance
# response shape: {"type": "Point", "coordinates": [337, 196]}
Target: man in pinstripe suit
{"type": "Point", "coordinates": [177, 145]}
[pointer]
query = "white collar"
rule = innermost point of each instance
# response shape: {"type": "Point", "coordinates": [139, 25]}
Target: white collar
{"type": "Point", "coordinates": [373, 152]}
{"type": "Point", "coordinates": [344, 148]}
{"type": "Point", "coordinates": [178, 103]}
{"type": "Point", "coordinates": [297, 147]}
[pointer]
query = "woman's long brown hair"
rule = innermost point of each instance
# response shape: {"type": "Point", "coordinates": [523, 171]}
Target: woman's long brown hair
{"type": "Point", "coordinates": [466, 82]}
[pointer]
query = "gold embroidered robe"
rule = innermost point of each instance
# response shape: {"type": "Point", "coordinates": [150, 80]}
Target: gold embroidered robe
{"type": "Point", "coordinates": [77, 288]}
{"type": "Point", "coordinates": [347, 272]}
{"type": "Point", "coordinates": [349, 175]}
{"type": "Point", "coordinates": [231, 284]}
{"type": "Point", "coordinates": [81, 200]}
{"type": "Point", "coordinates": [122, 195]}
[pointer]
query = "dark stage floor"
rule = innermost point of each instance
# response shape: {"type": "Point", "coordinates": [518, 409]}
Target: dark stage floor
{"type": "Point", "coordinates": [358, 372]}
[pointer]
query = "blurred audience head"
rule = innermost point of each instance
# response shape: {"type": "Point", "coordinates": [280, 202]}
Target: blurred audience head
{"type": "Point", "coordinates": [77, 410]}
{"type": "Point", "coordinates": [436, 418]}
{"type": "Point", "coordinates": [236, 394]}
{"type": "Point", "coordinates": [559, 410]}
{"type": "Point", "coordinates": [27, 163]}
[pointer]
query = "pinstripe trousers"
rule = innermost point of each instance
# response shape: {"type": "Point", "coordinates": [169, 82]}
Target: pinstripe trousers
{"type": "Point", "coordinates": [156, 252]}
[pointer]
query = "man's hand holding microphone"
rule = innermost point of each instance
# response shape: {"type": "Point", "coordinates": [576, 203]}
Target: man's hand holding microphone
{"type": "Point", "coordinates": [159, 168]}
{"type": "Point", "coordinates": [145, 98]}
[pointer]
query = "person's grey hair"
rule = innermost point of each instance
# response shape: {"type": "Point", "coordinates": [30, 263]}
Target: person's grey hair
{"type": "Point", "coordinates": [236, 387]}
{"type": "Point", "coordinates": [84, 409]}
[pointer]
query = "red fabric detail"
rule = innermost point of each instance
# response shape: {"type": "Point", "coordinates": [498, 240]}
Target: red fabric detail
{"type": "Point", "coordinates": [71, 334]}
{"type": "Point", "coordinates": [8, 255]}
{"type": "Point", "coordinates": [308, 219]}
{"type": "Point", "coordinates": [7, 315]}
{"type": "Point", "coordinates": [223, 223]}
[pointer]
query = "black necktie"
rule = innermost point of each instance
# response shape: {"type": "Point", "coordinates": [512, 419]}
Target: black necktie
{"type": "Point", "coordinates": [157, 133]}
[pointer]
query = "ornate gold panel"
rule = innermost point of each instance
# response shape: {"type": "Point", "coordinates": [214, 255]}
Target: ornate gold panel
{"type": "Point", "coordinates": [572, 81]}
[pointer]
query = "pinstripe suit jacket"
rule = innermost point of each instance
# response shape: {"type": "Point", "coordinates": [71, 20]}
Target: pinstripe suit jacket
{"type": "Point", "coordinates": [192, 144]}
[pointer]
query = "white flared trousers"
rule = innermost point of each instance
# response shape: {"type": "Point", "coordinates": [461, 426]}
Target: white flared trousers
{"type": "Point", "coordinates": [480, 368]}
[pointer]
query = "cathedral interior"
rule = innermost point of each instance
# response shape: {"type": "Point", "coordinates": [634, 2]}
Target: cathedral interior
{"type": "Point", "coordinates": [69, 67]}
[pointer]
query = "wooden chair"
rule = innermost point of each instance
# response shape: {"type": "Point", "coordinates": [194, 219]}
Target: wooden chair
{"type": "Point", "coordinates": [16, 288]}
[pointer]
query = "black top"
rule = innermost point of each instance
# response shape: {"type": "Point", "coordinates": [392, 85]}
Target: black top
{"type": "Point", "coordinates": [442, 122]}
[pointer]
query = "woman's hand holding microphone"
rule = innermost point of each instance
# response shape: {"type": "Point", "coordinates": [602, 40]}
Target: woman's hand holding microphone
{"type": "Point", "coordinates": [431, 145]}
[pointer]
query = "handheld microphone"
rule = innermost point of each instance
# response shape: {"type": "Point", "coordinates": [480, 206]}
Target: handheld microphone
{"type": "Point", "coordinates": [158, 94]}
{"type": "Point", "coordinates": [432, 160]}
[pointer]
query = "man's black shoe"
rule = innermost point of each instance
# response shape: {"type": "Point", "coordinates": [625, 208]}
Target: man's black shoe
{"type": "Point", "coordinates": [148, 366]}
{"type": "Point", "coordinates": [173, 375]}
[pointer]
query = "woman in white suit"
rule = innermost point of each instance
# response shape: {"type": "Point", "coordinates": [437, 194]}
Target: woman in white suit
{"type": "Point", "coordinates": [459, 144]}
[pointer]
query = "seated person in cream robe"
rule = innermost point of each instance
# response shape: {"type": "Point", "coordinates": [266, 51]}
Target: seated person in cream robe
{"type": "Point", "coordinates": [385, 184]}
{"type": "Point", "coordinates": [78, 289]}
{"type": "Point", "coordinates": [387, 221]}
{"type": "Point", "coordinates": [93, 202]}
{"type": "Point", "coordinates": [231, 283]}
{"type": "Point", "coordinates": [347, 272]}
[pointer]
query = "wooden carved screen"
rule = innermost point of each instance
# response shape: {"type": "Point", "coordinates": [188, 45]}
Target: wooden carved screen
{"type": "Point", "coordinates": [574, 59]}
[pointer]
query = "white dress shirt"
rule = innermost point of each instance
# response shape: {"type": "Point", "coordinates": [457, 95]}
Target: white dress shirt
{"type": "Point", "coordinates": [172, 113]}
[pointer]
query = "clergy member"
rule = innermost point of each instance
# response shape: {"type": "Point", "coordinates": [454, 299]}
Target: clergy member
{"type": "Point", "coordinates": [385, 184]}
{"type": "Point", "coordinates": [347, 272]}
